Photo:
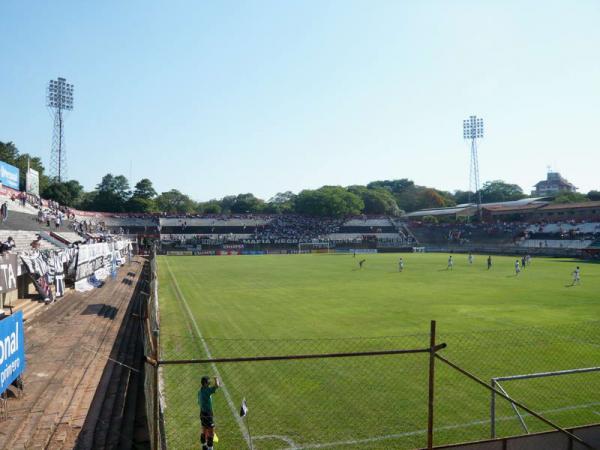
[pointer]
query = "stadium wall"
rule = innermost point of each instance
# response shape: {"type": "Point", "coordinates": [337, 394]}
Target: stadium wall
{"type": "Point", "coordinates": [506, 250]}
{"type": "Point", "coordinates": [554, 440]}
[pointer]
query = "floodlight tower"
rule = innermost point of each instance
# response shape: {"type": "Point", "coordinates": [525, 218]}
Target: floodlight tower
{"type": "Point", "coordinates": [59, 99]}
{"type": "Point", "coordinates": [473, 130]}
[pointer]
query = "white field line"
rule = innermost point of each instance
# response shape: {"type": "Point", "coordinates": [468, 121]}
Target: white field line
{"type": "Point", "coordinates": [289, 441]}
{"type": "Point", "coordinates": [228, 398]}
{"type": "Point", "coordinates": [417, 432]}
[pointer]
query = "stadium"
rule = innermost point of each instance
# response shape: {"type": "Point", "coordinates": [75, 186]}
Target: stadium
{"type": "Point", "coordinates": [358, 327]}
{"type": "Point", "coordinates": [271, 231]}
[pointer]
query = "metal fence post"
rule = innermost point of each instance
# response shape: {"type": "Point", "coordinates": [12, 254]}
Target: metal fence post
{"type": "Point", "coordinates": [493, 411]}
{"type": "Point", "coordinates": [431, 402]}
{"type": "Point", "coordinates": [156, 413]}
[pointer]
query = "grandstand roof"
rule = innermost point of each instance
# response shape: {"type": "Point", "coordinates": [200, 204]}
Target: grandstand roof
{"type": "Point", "coordinates": [469, 208]}
{"type": "Point", "coordinates": [523, 201]}
{"type": "Point", "coordinates": [573, 205]}
{"type": "Point", "coordinates": [442, 211]}
{"type": "Point", "coordinates": [516, 208]}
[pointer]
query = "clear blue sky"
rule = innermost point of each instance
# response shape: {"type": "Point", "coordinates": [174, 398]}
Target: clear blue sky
{"type": "Point", "coordinates": [222, 97]}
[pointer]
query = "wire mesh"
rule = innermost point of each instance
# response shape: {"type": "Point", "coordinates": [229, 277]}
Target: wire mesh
{"type": "Point", "coordinates": [375, 402]}
{"type": "Point", "coordinates": [464, 410]}
{"type": "Point", "coordinates": [150, 327]}
{"type": "Point", "coordinates": [367, 402]}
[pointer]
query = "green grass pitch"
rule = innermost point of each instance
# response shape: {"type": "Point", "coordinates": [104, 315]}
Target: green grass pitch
{"type": "Point", "coordinates": [495, 324]}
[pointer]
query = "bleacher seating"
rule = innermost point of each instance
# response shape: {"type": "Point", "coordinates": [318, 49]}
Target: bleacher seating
{"type": "Point", "coordinates": [249, 221]}
{"type": "Point", "coordinates": [553, 228]}
{"type": "Point", "coordinates": [24, 238]}
{"type": "Point", "coordinates": [356, 236]}
{"type": "Point", "coordinates": [555, 243]}
{"type": "Point", "coordinates": [68, 237]}
{"type": "Point", "coordinates": [461, 234]}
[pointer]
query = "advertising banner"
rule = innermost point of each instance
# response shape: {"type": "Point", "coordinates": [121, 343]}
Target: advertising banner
{"type": "Point", "coordinates": [12, 349]}
{"type": "Point", "coordinates": [32, 182]}
{"type": "Point", "coordinates": [96, 259]}
{"type": "Point", "coordinates": [8, 273]}
{"type": "Point", "coordinates": [9, 175]}
{"type": "Point", "coordinates": [90, 258]}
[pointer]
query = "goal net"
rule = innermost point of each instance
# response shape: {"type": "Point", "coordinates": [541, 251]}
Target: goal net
{"type": "Point", "coordinates": [565, 394]}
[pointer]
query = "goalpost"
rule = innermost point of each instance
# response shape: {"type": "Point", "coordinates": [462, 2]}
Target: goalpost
{"type": "Point", "coordinates": [308, 247]}
{"type": "Point", "coordinates": [495, 383]}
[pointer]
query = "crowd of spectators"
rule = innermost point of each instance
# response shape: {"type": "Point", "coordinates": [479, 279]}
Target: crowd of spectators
{"type": "Point", "coordinates": [297, 228]}
{"type": "Point", "coordinates": [569, 230]}
{"type": "Point", "coordinates": [465, 233]}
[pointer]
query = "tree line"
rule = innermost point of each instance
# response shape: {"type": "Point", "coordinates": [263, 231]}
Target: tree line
{"type": "Point", "coordinates": [385, 197]}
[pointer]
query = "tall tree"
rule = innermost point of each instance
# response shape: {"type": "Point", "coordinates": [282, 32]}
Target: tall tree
{"type": "Point", "coordinates": [377, 200]}
{"type": "Point", "coordinates": [174, 202]}
{"type": "Point", "coordinates": [571, 197]}
{"type": "Point", "coordinates": [281, 203]}
{"type": "Point", "coordinates": [67, 193]}
{"type": "Point", "coordinates": [209, 207]}
{"type": "Point", "coordinates": [395, 186]}
{"type": "Point", "coordinates": [594, 195]}
{"type": "Point", "coordinates": [329, 201]}
{"type": "Point", "coordinates": [429, 198]}
{"type": "Point", "coordinates": [142, 200]}
{"type": "Point", "coordinates": [144, 189]}
{"type": "Point", "coordinates": [112, 194]}
{"type": "Point", "coordinates": [461, 197]}
{"type": "Point", "coordinates": [8, 152]}
{"type": "Point", "coordinates": [246, 203]}
{"type": "Point", "coordinates": [500, 191]}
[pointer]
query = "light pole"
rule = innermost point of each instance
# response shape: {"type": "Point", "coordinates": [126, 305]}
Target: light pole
{"type": "Point", "coordinates": [59, 99]}
{"type": "Point", "coordinates": [473, 130]}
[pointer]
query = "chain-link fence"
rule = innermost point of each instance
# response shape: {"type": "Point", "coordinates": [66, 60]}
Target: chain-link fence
{"type": "Point", "coordinates": [570, 400]}
{"type": "Point", "coordinates": [150, 331]}
{"type": "Point", "coordinates": [304, 394]}
{"type": "Point", "coordinates": [373, 393]}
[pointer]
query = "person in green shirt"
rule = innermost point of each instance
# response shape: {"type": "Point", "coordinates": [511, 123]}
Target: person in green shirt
{"type": "Point", "coordinates": [206, 411]}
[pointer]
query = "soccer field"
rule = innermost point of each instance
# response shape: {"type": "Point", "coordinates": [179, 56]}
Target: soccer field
{"type": "Point", "coordinates": [495, 324]}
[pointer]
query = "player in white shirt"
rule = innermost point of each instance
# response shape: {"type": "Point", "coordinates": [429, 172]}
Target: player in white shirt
{"type": "Point", "coordinates": [517, 267]}
{"type": "Point", "coordinates": [450, 263]}
{"type": "Point", "coordinates": [470, 258]}
{"type": "Point", "coordinates": [400, 265]}
{"type": "Point", "coordinates": [576, 276]}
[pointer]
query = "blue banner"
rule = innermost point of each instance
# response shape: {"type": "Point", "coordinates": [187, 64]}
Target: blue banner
{"type": "Point", "coordinates": [12, 349]}
{"type": "Point", "coordinates": [9, 175]}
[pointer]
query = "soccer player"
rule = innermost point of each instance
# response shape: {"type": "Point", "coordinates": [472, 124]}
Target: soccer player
{"type": "Point", "coordinates": [206, 411]}
{"type": "Point", "coordinates": [524, 262]}
{"type": "Point", "coordinates": [360, 263]}
{"type": "Point", "coordinates": [400, 265]}
{"type": "Point", "coordinates": [576, 276]}
{"type": "Point", "coordinates": [470, 258]}
{"type": "Point", "coordinates": [450, 263]}
{"type": "Point", "coordinates": [517, 267]}
{"type": "Point", "coordinates": [489, 262]}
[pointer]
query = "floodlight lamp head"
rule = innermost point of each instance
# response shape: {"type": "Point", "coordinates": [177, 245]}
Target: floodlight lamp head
{"type": "Point", "coordinates": [472, 128]}
{"type": "Point", "coordinates": [60, 94]}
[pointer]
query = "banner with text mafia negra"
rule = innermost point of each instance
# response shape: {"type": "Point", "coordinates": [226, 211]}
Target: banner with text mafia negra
{"type": "Point", "coordinates": [12, 349]}
{"type": "Point", "coordinates": [8, 272]}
